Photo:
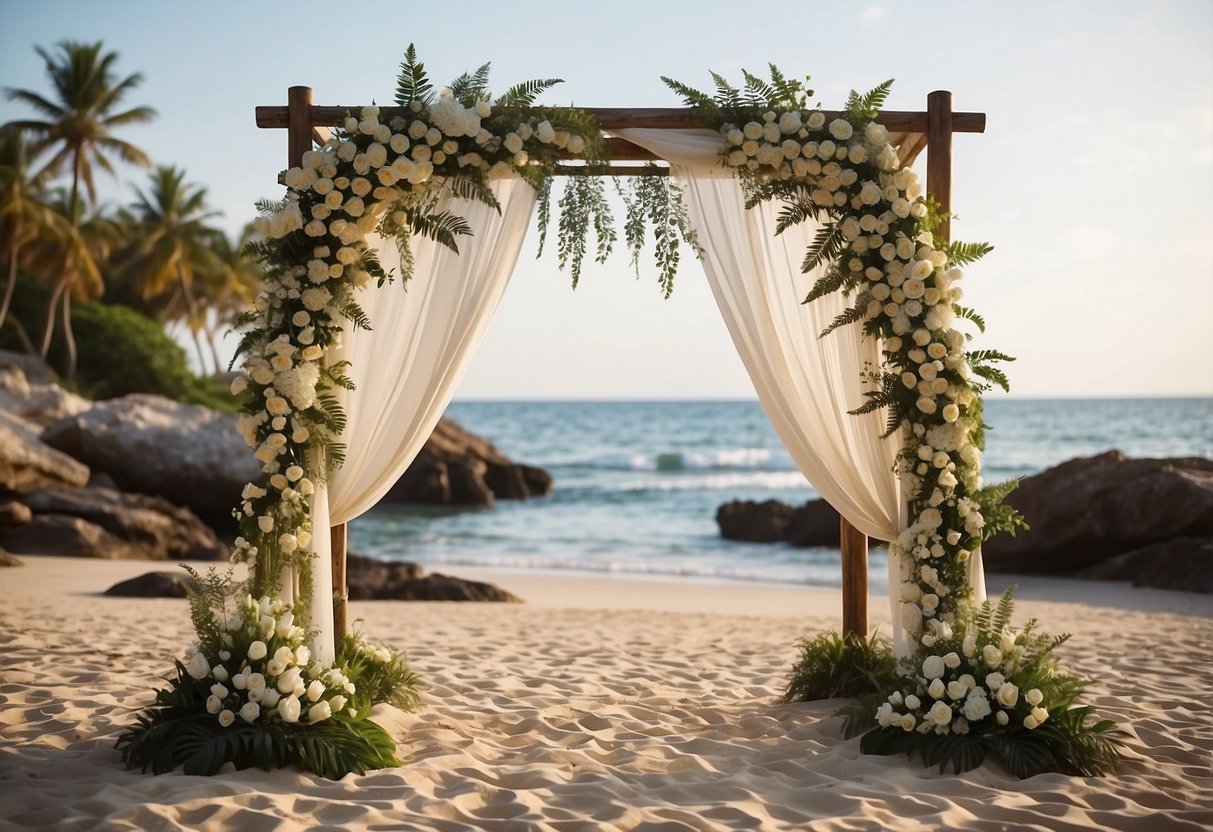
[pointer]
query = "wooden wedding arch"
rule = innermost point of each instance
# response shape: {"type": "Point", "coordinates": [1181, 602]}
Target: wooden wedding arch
{"type": "Point", "coordinates": [911, 131]}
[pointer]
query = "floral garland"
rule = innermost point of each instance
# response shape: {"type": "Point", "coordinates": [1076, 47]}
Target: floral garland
{"type": "Point", "coordinates": [382, 171]}
{"type": "Point", "coordinates": [878, 247]}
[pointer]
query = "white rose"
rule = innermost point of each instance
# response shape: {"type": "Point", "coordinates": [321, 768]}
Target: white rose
{"type": "Point", "coordinates": [198, 667]}
{"type": "Point", "coordinates": [250, 711]}
{"type": "Point", "coordinates": [1034, 697]}
{"type": "Point", "coordinates": [289, 680]}
{"type": "Point", "coordinates": [936, 689]}
{"type": "Point", "coordinates": [213, 704]}
{"type": "Point", "coordinates": [940, 713]}
{"type": "Point", "coordinates": [288, 709]}
{"type": "Point", "coordinates": [1007, 695]}
{"type": "Point", "coordinates": [926, 405]}
{"type": "Point", "coordinates": [226, 717]}
{"type": "Point", "coordinates": [315, 690]}
{"type": "Point", "coordinates": [841, 129]}
{"type": "Point", "coordinates": [321, 710]}
{"type": "Point", "coordinates": [991, 655]}
{"type": "Point", "coordinates": [911, 617]}
{"type": "Point", "coordinates": [302, 655]}
{"type": "Point", "coordinates": [933, 667]}
{"type": "Point", "coordinates": [257, 650]}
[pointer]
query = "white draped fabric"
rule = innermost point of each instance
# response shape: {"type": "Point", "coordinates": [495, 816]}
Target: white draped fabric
{"type": "Point", "coordinates": [806, 384]}
{"type": "Point", "coordinates": [406, 369]}
{"type": "Point", "coordinates": [425, 333]}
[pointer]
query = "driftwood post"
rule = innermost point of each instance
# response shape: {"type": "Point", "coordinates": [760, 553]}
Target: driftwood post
{"type": "Point", "coordinates": [854, 545]}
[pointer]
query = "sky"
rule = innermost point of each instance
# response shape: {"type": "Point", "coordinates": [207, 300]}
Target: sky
{"type": "Point", "coordinates": [1093, 179]}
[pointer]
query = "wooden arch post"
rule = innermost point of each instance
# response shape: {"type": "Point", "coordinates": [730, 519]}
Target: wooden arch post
{"type": "Point", "coordinates": [304, 122]}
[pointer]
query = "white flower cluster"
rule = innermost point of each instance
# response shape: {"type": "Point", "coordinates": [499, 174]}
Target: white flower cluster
{"type": "Point", "coordinates": [264, 671]}
{"type": "Point", "coordinates": [337, 197]}
{"type": "Point", "coordinates": [907, 289]}
{"type": "Point", "coordinates": [960, 692]}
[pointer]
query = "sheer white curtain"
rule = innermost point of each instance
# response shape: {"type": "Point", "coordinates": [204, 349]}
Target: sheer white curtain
{"type": "Point", "coordinates": [406, 368]}
{"type": "Point", "coordinates": [806, 384]}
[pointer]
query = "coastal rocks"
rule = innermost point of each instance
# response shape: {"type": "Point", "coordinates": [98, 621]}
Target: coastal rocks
{"type": "Point", "coordinates": [370, 579]}
{"type": "Point", "coordinates": [1183, 564]}
{"type": "Point", "coordinates": [99, 522]}
{"type": "Point", "coordinates": [188, 454]}
{"type": "Point", "coordinates": [457, 467]}
{"type": "Point", "coordinates": [40, 401]}
{"type": "Point", "coordinates": [765, 522]}
{"type": "Point", "coordinates": [816, 523]}
{"type": "Point", "coordinates": [26, 463]}
{"type": "Point", "coordinates": [1089, 510]}
{"type": "Point", "coordinates": [153, 585]}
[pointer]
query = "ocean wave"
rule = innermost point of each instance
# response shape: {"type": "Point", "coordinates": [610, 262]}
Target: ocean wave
{"type": "Point", "coordinates": [740, 459]}
{"type": "Point", "coordinates": [824, 572]}
{"type": "Point", "coordinates": [767, 480]}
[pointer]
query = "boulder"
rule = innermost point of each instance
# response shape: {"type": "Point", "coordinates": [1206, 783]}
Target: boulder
{"type": "Point", "coordinates": [155, 529]}
{"type": "Point", "coordinates": [1185, 563]}
{"type": "Point", "coordinates": [8, 560]}
{"type": "Point", "coordinates": [816, 523]}
{"type": "Point", "coordinates": [38, 402]}
{"type": "Point", "coordinates": [765, 522]}
{"type": "Point", "coordinates": [32, 368]}
{"type": "Point", "coordinates": [27, 464]}
{"type": "Point", "coordinates": [457, 467]}
{"type": "Point", "coordinates": [59, 534]}
{"type": "Point", "coordinates": [1088, 510]}
{"type": "Point", "coordinates": [188, 454]}
{"type": "Point", "coordinates": [13, 513]}
{"type": "Point", "coordinates": [153, 585]}
{"type": "Point", "coordinates": [369, 579]}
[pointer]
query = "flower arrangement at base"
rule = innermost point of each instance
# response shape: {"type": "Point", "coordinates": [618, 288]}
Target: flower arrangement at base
{"type": "Point", "coordinates": [878, 246]}
{"type": "Point", "coordinates": [990, 689]}
{"type": "Point", "coordinates": [250, 694]}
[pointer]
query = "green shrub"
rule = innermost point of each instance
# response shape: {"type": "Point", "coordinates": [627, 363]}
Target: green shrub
{"type": "Point", "coordinates": [119, 351]}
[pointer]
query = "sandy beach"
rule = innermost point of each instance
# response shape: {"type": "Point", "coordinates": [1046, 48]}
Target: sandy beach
{"type": "Point", "coordinates": [601, 703]}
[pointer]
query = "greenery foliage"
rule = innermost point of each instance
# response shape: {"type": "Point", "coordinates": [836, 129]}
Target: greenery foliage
{"type": "Point", "coordinates": [833, 665]}
{"type": "Point", "coordinates": [249, 694]}
{"type": "Point", "coordinates": [1025, 738]}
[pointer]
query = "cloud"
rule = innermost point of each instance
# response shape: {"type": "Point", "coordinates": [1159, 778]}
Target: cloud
{"type": "Point", "coordinates": [873, 15]}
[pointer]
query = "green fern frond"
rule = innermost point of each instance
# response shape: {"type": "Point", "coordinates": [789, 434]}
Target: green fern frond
{"type": "Point", "coordinates": [524, 94]}
{"type": "Point", "coordinates": [412, 83]}
{"type": "Point", "coordinates": [961, 254]}
{"type": "Point", "coordinates": [970, 314]}
{"type": "Point", "coordinates": [864, 108]}
{"type": "Point", "coordinates": [831, 281]}
{"type": "Point", "coordinates": [728, 97]}
{"type": "Point", "coordinates": [692, 97]}
{"type": "Point", "coordinates": [759, 93]}
{"type": "Point", "coordinates": [852, 315]}
{"type": "Point", "coordinates": [468, 87]}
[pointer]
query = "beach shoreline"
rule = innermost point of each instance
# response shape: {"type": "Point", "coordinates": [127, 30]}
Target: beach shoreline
{"type": "Point", "coordinates": [603, 702]}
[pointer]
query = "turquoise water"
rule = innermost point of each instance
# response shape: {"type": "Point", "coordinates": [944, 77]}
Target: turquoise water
{"type": "Point", "coordinates": [637, 484]}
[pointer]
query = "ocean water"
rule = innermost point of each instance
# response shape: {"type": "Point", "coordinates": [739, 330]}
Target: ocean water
{"type": "Point", "coordinates": [637, 484]}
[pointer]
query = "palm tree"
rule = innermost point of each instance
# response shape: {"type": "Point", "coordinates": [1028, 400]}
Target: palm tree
{"type": "Point", "coordinates": [75, 244]}
{"type": "Point", "coordinates": [24, 215]}
{"type": "Point", "coordinates": [77, 132]}
{"type": "Point", "coordinates": [174, 249]}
